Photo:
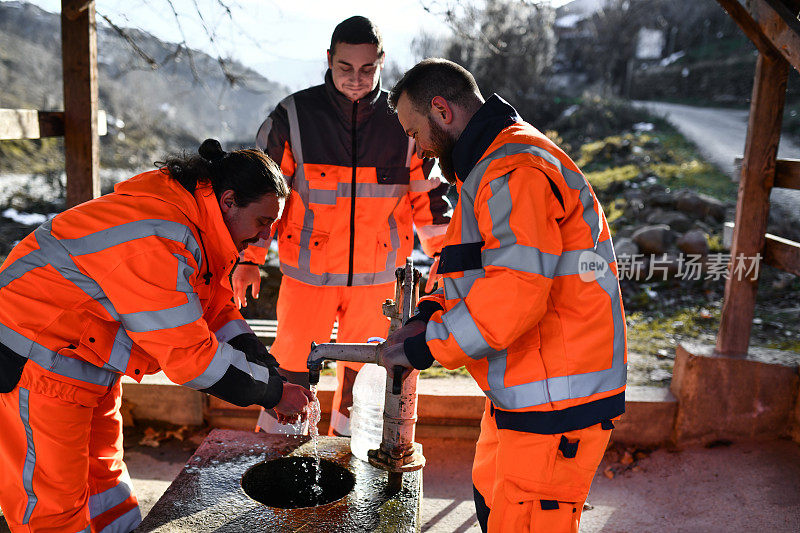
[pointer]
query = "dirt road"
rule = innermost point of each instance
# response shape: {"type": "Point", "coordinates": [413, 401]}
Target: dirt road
{"type": "Point", "coordinates": [720, 136]}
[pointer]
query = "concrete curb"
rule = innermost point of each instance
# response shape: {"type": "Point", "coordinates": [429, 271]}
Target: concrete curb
{"type": "Point", "coordinates": [447, 408]}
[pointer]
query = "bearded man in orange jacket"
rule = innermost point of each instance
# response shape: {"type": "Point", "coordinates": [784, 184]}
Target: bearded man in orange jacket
{"type": "Point", "coordinates": [358, 189]}
{"type": "Point", "coordinates": [130, 283]}
{"type": "Point", "coordinates": [530, 303]}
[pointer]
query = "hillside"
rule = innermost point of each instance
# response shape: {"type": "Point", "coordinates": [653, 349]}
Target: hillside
{"type": "Point", "coordinates": [150, 111]}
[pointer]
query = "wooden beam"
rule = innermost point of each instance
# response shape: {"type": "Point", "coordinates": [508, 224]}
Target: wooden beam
{"type": "Point", "coordinates": [79, 63]}
{"type": "Point", "coordinates": [744, 19]}
{"type": "Point", "coordinates": [780, 28]}
{"type": "Point", "coordinates": [782, 253]}
{"type": "Point", "coordinates": [32, 124]}
{"type": "Point", "coordinates": [787, 174]}
{"type": "Point", "coordinates": [752, 206]}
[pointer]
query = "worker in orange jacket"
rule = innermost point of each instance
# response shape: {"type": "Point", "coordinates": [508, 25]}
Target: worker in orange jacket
{"type": "Point", "coordinates": [357, 187]}
{"type": "Point", "coordinates": [530, 303]}
{"type": "Point", "coordinates": [129, 284]}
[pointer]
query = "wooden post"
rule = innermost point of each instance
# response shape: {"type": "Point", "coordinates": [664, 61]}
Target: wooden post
{"type": "Point", "coordinates": [752, 206]}
{"type": "Point", "coordinates": [79, 64]}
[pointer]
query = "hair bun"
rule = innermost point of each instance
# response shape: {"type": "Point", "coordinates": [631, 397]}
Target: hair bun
{"type": "Point", "coordinates": [211, 150]}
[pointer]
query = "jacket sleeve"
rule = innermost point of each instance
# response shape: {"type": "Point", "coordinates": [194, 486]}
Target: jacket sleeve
{"type": "Point", "coordinates": [517, 219]}
{"type": "Point", "coordinates": [273, 138]}
{"type": "Point", "coordinates": [430, 208]}
{"type": "Point", "coordinates": [154, 294]}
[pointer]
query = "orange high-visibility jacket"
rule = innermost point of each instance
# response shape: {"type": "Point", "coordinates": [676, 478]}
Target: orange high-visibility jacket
{"type": "Point", "coordinates": [132, 283]}
{"type": "Point", "coordinates": [357, 186]}
{"type": "Point", "coordinates": [531, 302]}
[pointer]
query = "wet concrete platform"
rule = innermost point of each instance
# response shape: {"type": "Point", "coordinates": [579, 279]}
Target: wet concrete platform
{"type": "Point", "coordinates": [207, 494]}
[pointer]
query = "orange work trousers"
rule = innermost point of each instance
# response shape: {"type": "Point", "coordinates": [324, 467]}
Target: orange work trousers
{"type": "Point", "coordinates": [61, 457]}
{"type": "Point", "coordinates": [534, 482]}
{"type": "Point", "coordinates": [306, 313]}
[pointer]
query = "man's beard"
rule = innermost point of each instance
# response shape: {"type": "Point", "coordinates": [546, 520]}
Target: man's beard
{"type": "Point", "coordinates": [443, 150]}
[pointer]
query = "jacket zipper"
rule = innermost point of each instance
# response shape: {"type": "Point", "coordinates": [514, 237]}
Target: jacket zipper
{"type": "Point", "coordinates": [353, 195]}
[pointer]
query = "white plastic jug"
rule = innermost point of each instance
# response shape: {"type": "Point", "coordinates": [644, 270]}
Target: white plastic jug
{"type": "Point", "coordinates": [366, 418]}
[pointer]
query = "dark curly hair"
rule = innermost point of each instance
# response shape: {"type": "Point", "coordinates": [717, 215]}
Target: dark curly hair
{"type": "Point", "coordinates": [249, 173]}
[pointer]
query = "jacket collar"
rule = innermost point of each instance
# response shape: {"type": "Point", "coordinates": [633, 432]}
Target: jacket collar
{"type": "Point", "coordinates": [344, 106]}
{"type": "Point", "coordinates": [493, 117]}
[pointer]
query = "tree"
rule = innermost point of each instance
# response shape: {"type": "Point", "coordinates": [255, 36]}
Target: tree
{"type": "Point", "coordinates": [508, 45]}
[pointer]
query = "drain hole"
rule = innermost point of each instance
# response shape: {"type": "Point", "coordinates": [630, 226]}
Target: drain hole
{"type": "Point", "coordinates": [289, 482]}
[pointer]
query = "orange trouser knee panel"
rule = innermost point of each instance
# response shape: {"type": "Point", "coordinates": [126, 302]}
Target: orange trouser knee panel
{"type": "Point", "coordinates": [61, 459]}
{"type": "Point", "coordinates": [526, 480]}
{"type": "Point", "coordinates": [306, 313]}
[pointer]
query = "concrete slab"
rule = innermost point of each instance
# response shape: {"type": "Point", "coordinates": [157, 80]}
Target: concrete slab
{"type": "Point", "coordinates": [207, 494]}
{"type": "Point", "coordinates": [649, 417]}
{"type": "Point", "coordinates": [722, 397]}
{"type": "Point", "coordinates": [157, 398]}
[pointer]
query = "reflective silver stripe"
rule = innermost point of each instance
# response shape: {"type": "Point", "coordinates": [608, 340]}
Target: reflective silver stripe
{"type": "Point", "coordinates": [185, 271]}
{"type": "Point", "coordinates": [52, 361]}
{"type": "Point", "coordinates": [216, 367]}
{"type": "Point", "coordinates": [460, 287]}
{"type": "Point", "coordinates": [394, 239]}
{"type": "Point", "coordinates": [232, 329]}
{"type": "Point", "coordinates": [256, 371]}
{"type": "Point", "coordinates": [173, 317]}
{"type": "Point", "coordinates": [569, 263]}
{"type": "Point", "coordinates": [436, 331]}
{"type": "Point", "coordinates": [496, 371]}
{"type": "Point", "coordinates": [262, 136]}
{"type": "Point", "coordinates": [459, 322]}
{"type": "Point", "coordinates": [370, 278]}
{"type": "Point", "coordinates": [522, 258]}
{"type": "Point", "coordinates": [30, 454]}
{"type": "Point", "coordinates": [110, 498]}
{"type": "Point", "coordinates": [322, 196]}
{"type": "Point", "coordinates": [499, 206]}
{"type": "Point", "coordinates": [120, 351]}
{"type": "Point", "coordinates": [372, 190]}
{"type": "Point", "coordinates": [300, 185]}
{"type": "Point", "coordinates": [125, 523]}
{"type": "Point", "coordinates": [225, 357]}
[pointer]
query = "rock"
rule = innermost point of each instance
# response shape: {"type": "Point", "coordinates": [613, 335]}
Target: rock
{"type": "Point", "coordinates": [693, 242]}
{"type": "Point", "coordinates": [625, 247]}
{"type": "Point", "coordinates": [653, 239]}
{"type": "Point", "coordinates": [661, 199]}
{"type": "Point", "coordinates": [699, 205]}
{"type": "Point", "coordinates": [675, 220]}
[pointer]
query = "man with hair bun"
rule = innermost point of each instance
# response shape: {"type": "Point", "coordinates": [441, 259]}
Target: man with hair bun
{"type": "Point", "coordinates": [541, 334]}
{"type": "Point", "coordinates": [357, 191]}
{"type": "Point", "coordinates": [131, 283]}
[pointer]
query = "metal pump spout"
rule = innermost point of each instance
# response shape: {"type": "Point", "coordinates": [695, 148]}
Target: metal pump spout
{"type": "Point", "coordinates": [397, 453]}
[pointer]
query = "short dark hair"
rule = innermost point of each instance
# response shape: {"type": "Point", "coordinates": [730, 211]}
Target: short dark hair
{"type": "Point", "coordinates": [356, 30]}
{"type": "Point", "coordinates": [435, 77]}
{"type": "Point", "coordinates": [249, 173]}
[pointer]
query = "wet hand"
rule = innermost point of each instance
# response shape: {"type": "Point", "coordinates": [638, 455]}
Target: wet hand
{"type": "Point", "coordinates": [293, 405]}
{"type": "Point", "coordinates": [245, 276]}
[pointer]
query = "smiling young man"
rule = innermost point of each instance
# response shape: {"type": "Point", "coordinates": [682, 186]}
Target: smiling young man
{"type": "Point", "coordinates": [541, 333]}
{"type": "Point", "coordinates": [357, 190]}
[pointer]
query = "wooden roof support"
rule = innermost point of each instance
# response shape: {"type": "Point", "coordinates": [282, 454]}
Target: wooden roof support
{"type": "Point", "coordinates": [752, 206]}
{"type": "Point", "coordinates": [79, 60]}
{"type": "Point", "coordinates": [770, 25]}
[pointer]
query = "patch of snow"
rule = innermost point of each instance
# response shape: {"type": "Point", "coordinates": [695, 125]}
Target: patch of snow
{"type": "Point", "coordinates": [29, 219]}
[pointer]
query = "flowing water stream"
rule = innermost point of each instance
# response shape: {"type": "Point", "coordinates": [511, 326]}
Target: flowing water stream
{"type": "Point", "coordinates": [314, 415]}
